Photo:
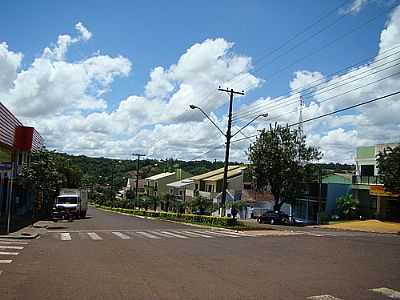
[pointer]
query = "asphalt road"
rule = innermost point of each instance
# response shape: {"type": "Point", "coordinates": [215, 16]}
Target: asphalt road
{"type": "Point", "coordinates": [112, 256]}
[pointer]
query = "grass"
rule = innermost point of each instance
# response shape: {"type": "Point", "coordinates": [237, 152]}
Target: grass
{"type": "Point", "coordinates": [365, 225]}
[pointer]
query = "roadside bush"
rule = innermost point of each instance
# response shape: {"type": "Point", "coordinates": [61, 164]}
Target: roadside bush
{"type": "Point", "coordinates": [189, 218]}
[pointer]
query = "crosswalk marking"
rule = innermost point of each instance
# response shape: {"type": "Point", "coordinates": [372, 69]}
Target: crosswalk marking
{"type": "Point", "coordinates": [191, 233]}
{"type": "Point", "coordinates": [11, 247]}
{"type": "Point", "coordinates": [323, 297]}
{"type": "Point", "coordinates": [387, 292]}
{"type": "Point", "coordinates": [65, 236]}
{"type": "Point", "coordinates": [131, 234]}
{"type": "Point", "coordinates": [175, 235]}
{"type": "Point", "coordinates": [9, 253]}
{"type": "Point", "coordinates": [5, 261]}
{"type": "Point", "coordinates": [148, 235]}
{"type": "Point", "coordinates": [94, 236]}
{"type": "Point", "coordinates": [121, 235]}
{"type": "Point", "coordinates": [12, 243]}
{"type": "Point", "coordinates": [221, 233]}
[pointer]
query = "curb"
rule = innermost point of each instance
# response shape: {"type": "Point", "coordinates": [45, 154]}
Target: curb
{"type": "Point", "coordinates": [20, 236]}
{"type": "Point", "coordinates": [171, 221]}
{"type": "Point", "coordinates": [355, 230]}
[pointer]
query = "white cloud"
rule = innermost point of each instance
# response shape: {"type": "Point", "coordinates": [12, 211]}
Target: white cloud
{"type": "Point", "coordinates": [84, 33]}
{"type": "Point", "coordinates": [354, 7]}
{"type": "Point", "coordinates": [9, 64]}
{"type": "Point", "coordinates": [71, 111]}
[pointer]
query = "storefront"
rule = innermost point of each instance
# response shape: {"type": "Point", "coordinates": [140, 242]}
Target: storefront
{"type": "Point", "coordinates": [16, 145]}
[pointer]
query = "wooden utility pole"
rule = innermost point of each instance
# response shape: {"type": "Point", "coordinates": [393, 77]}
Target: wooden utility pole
{"type": "Point", "coordinates": [228, 135]}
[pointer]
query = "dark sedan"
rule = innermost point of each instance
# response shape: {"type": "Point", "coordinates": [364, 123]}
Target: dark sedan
{"type": "Point", "coordinates": [274, 217]}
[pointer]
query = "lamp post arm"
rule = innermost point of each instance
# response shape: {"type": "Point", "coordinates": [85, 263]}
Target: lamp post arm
{"type": "Point", "coordinates": [240, 130]}
{"type": "Point", "coordinates": [220, 130]}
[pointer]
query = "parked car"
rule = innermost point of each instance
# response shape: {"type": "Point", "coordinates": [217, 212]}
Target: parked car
{"type": "Point", "coordinates": [274, 217]}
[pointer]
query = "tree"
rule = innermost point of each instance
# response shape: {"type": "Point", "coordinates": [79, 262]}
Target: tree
{"type": "Point", "coordinates": [42, 175]}
{"type": "Point", "coordinates": [235, 206]}
{"type": "Point", "coordinates": [347, 207]}
{"type": "Point", "coordinates": [389, 168]}
{"type": "Point", "coordinates": [279, 157]}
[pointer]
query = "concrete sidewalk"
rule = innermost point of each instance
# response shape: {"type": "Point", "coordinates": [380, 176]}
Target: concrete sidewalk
{"type": "Point", "coordinates": [28, 232]}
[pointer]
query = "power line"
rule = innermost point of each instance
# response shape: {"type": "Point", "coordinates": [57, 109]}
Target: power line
{"type": "Point", "coordinates": [330, 113]}
{"type": "Point", "coordinates": [312, 92]}
{"type": "Point", "coordinates": [312, 85]}
{"type": "Point", "coordinates": [307, 28]}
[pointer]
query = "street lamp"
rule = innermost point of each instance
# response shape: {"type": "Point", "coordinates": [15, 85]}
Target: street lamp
{"type": "Point", "coordinates": [228, 137]}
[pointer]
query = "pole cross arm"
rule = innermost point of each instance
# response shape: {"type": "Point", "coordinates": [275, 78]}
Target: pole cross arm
{"type": "Point", "coordinates": [240, 130]}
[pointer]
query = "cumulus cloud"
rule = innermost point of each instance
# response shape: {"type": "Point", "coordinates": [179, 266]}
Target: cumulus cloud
{"type": "Point", "coordinates": [53, 85]}
{"type": "Point", "coordinates": [73, 114]}
{"type": "Point", "coordinates": [9, 64]}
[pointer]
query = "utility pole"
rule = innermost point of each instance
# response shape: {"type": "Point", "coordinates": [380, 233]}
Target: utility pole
{"type": "Point", "coordinates": [228, 135]}
{"type": "Point", "coordinates": [137, 173]}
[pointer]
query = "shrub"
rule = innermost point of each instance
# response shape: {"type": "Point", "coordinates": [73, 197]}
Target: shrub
{"type": "Point", "coordinates": [189, 218]}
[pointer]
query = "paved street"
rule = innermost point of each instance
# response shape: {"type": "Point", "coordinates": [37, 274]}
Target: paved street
{"type": "Point", "coordinates": [113, 256]}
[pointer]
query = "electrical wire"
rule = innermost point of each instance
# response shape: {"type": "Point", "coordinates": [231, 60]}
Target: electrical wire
{"type": "Point", "coordinates": [312, 85]}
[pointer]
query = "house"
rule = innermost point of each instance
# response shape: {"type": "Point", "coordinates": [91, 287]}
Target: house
{"type": "Point", "coordinates": [156, 186]}
{"type": "Point", "coordinates": [367, 185]}
{"type": "Point", "coordinates": [131, 186]}
{"type": "Point", "coordinates": [337, 185]}
{"type": "Point", "coordinates": [182, 190]}
{"type": "Point", "coordinates": [16, 144]}
{"type": "Point", "coordinates": [210, 184]}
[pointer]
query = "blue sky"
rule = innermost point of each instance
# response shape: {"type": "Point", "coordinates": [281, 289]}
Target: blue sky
{"type": "Point", "coordinates": [149, 34]}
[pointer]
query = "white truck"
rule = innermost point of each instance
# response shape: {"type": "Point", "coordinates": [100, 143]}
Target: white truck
{"type": "Point", "coordinates": [75, 201]}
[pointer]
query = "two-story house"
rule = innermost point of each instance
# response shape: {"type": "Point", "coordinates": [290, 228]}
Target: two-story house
{"type": "Point", "coordinates": [209, 185]}
{"type": "Point", "coordinates": [368, 188]}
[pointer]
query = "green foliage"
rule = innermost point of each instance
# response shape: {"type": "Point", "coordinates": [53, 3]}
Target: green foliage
{"type": "Point", "coordinates": [275, 157]}
{"type": "Point", "coordinates": [389, 168]}
{"type": "Point", "coordinates": [202, 205]}
{"type": "Point", "coordinates": [235, 206]}
{"type": "Point", "coordinates": [347, 207]}
{"type": "Point", "coordinates": [189, 218]}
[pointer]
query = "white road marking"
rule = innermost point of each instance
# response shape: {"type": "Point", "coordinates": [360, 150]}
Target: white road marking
{"type": "Point", "coordinates": [148, 235]}
{"type": "Point", "coordinates": [162, 234]}
{"type": "Point", "coordinates": [220, 233]}
{"type": "Point", "coordinates": [11, 247]}
{"type": "Point", "coordinates": [323, 297]}
{"type": "Point", "coordinates": [9, 253]}
{"type": "Point", "coordinates": [1, 272]}
{"type": "Point", "coordinates": [196, 234]}
{"type": "Point", "coordinates": [12, 243]}
{"type": "Point", "coordinates": [121, 235]}
{"type": "Point", "coordinates": [5, 261]}
{"type": "Point", "coordinates": [65, 236]}
{"type": "Point", "coordinates": [175, 235]}
{"type": "Point", "coordinates": [94, 236]}
{"type": "Point", "coordinates": [387, 292]}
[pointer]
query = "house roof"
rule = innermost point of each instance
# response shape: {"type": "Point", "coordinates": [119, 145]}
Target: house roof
{"type": "Point", "coordinates": [161, 175]}
{"type": "Point", "coordinates": [213, 173]}
{"type": "Point", "coordinates": [344, 178]}
{"type": "Point", "coordinates": [180, 183]}
{"type": "Point", "coordinates": [231, 173]}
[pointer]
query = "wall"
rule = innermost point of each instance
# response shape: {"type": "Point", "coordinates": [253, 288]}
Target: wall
{"type": "Point", "coordinates": [335, 190]}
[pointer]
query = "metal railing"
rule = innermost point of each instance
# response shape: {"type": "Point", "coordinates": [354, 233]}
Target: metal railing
{"type": "Point", "coordinates": [357, 179]}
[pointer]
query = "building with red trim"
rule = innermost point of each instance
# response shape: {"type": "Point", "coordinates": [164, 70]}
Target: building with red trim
{"type": "Point", "coordinates": [16, 145]}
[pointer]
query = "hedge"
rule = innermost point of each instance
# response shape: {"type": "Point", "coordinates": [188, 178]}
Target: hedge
{"type": "Point", "coordinates": [189, 218]}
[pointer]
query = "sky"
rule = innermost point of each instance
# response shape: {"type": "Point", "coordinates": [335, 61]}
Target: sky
{"type": "Point", "coordinates": [110, 78]}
